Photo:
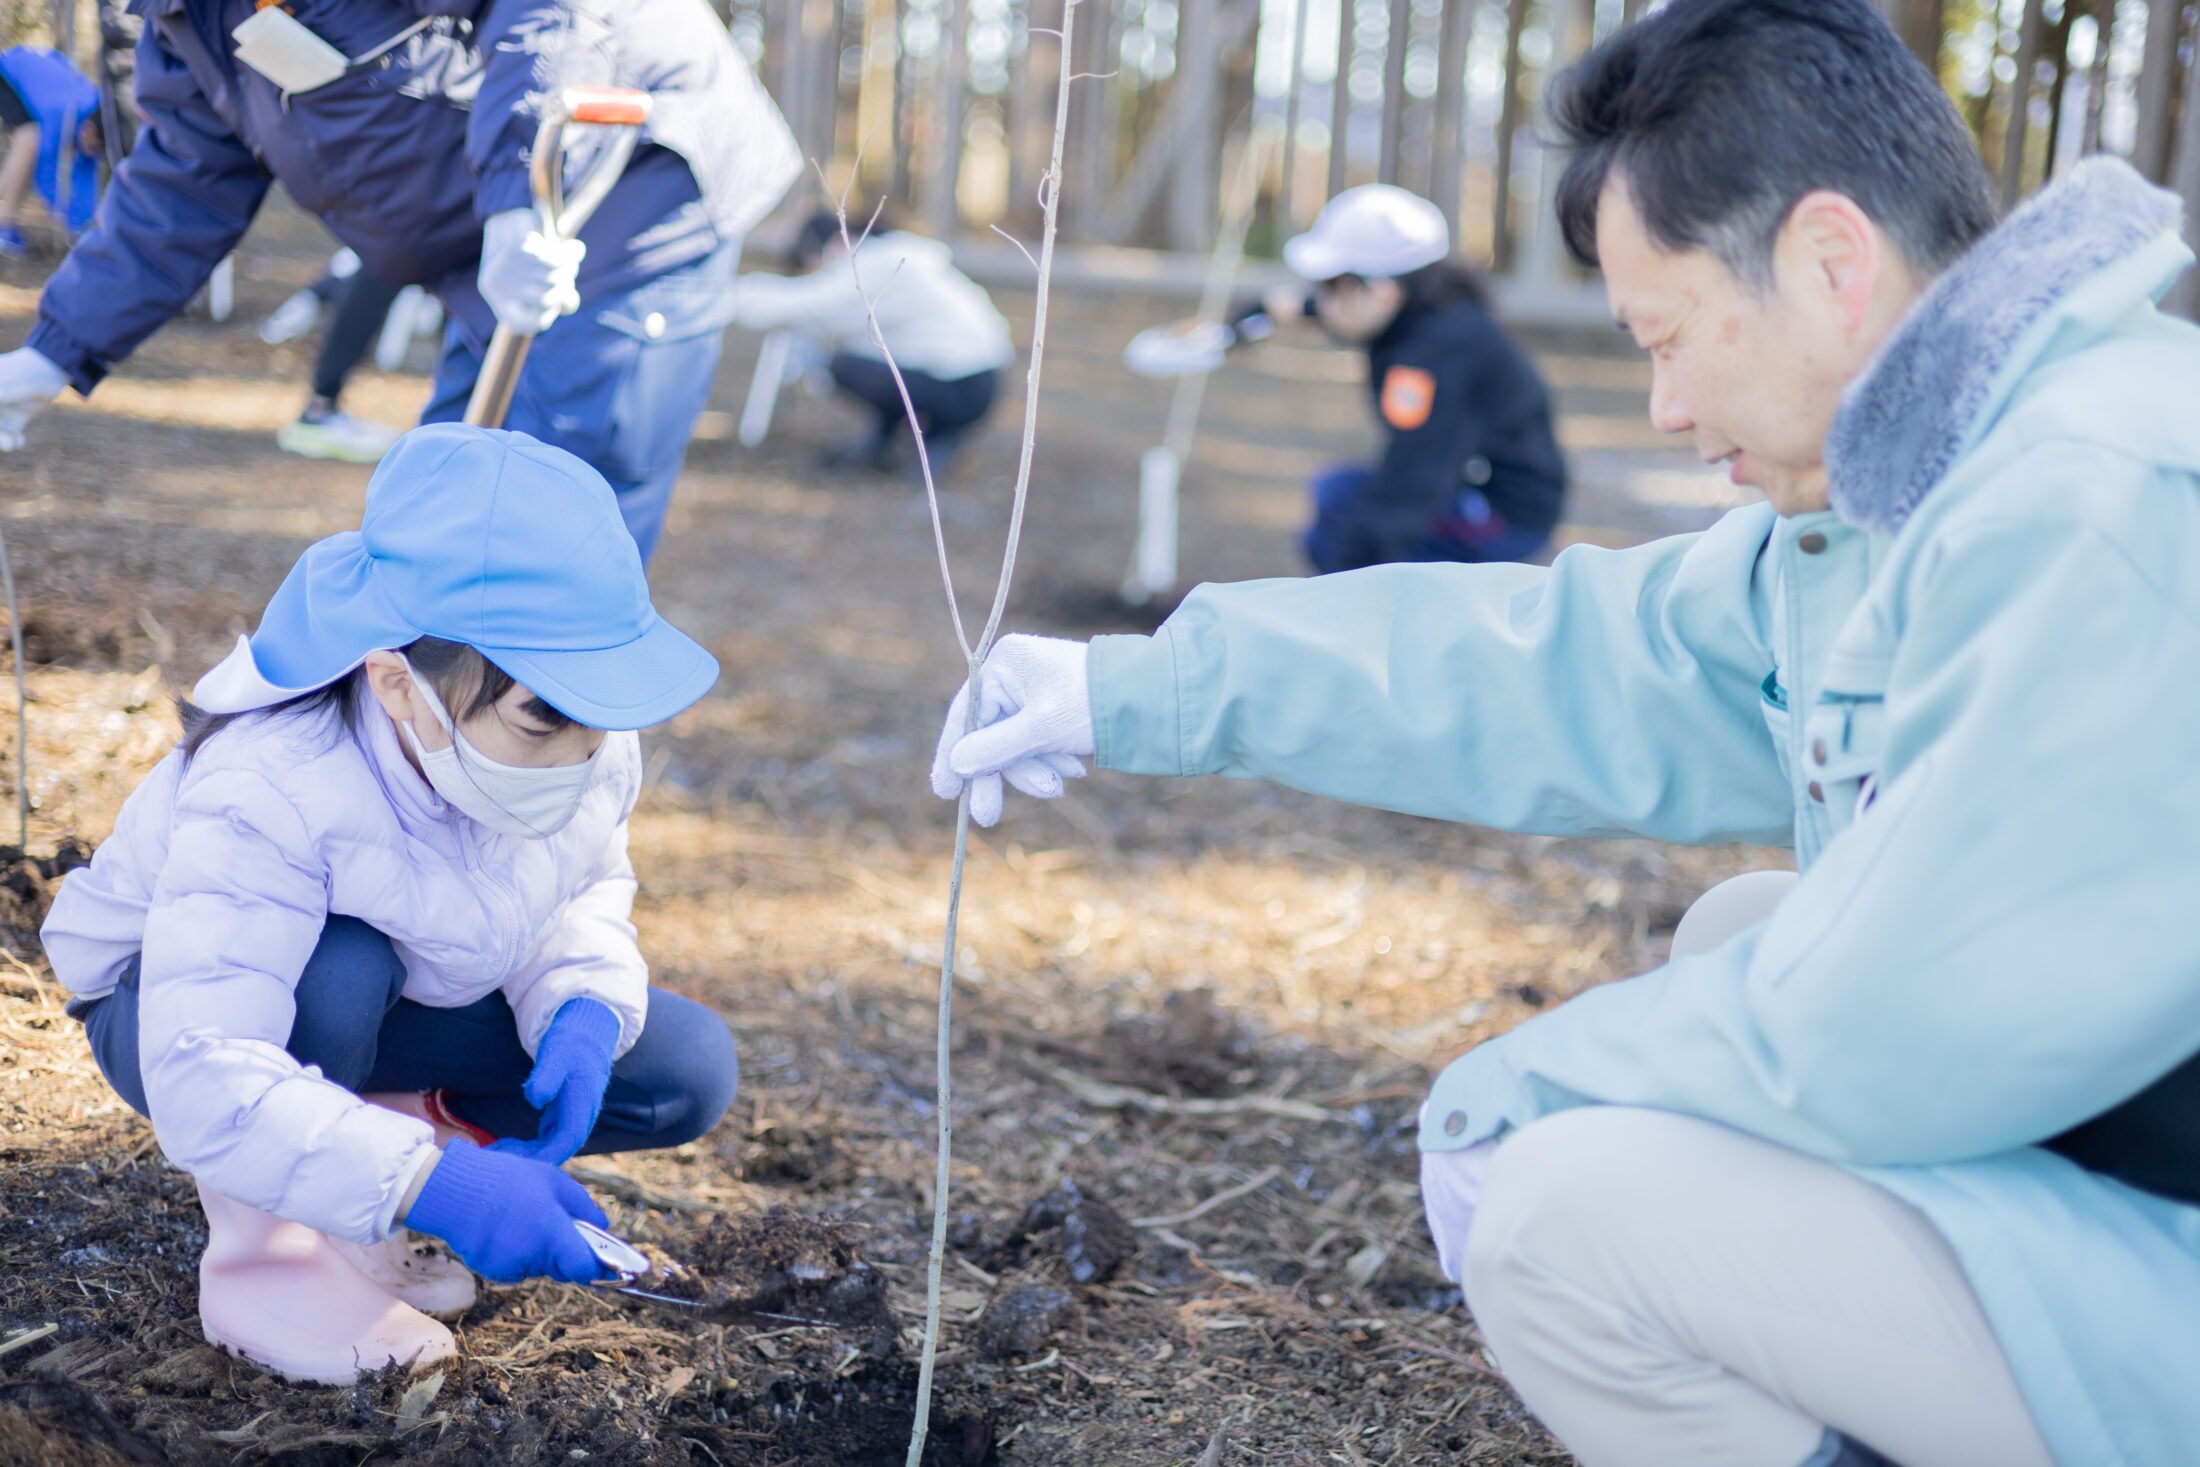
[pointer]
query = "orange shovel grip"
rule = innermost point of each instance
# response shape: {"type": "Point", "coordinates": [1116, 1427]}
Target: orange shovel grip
{"type": "Point", "coordinates": [618, 106]}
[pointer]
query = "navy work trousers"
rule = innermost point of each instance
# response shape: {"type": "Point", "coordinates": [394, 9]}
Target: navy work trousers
{"type": "Point", "coordinates": [946, 407]}
{"type": "Point", "coordinates": [1474, 532]}
{"type": "Point", "coordinates": [618, 384]}
{"type": "Point", "coordinates": [671, 1087]}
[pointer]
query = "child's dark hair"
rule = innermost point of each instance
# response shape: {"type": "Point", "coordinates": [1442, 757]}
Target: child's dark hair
{"type": "Point", "coordinates": [822, 228]}
{"type": "Point", "coordinates": [817, 231]}
{"type": "Point", "coordinates": [467, 682]}
{"type": "Point", "coordinates": [1445, 283]}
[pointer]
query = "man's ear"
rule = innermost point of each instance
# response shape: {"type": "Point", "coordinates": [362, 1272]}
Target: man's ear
{"type": "Point", "coordinates": [1838, 251]}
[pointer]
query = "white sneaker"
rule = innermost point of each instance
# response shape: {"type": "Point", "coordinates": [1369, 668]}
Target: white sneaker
{"type": "Point", "coordinates": [337, 436]}
{"type": "Point", "coordinates": [414, 1269]}
{"type": "Point", "coordinates": [413, 313]}
{"type": "Point", "coordinates": [292, 319]}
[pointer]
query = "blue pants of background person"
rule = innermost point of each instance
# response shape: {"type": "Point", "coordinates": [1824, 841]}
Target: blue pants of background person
{"type": "Point", "coordinates": [946, 407]}
{"type": "Point", "coordinates": [1475, 532]}
{"type": "Point", "coordinates": [671, 1087]}
{"type": "Point", "coordinates": [619, 383]}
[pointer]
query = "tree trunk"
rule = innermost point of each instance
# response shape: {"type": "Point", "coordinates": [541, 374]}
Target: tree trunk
{"type": "Point", "coordinates": [2096, 84]}
{"type": "Point", "coordinates": [2059, 48]}
{"type": "Point", "coordinates": [1287, 170]}
{"type": "Point", "coordinates": [943, 214]}
{"type": "Point", "coordinates": [1508, 127]}
{"type": "Point", "coordinates": [1198, 74]}
{"type": "Point", "coordinates": [2020, 105]}
{"type": "Point", "coordinates": [1340, 100]}
{"type": "Point", "coordinates": [2157, 86]}
{"type": "Point", "coordinates": [1446, 153]}
{"type": "Point", "coordinates": [1922, 25]}
{"type": "Point", "coordinates": [2182, 296]}
{"type": "Point", "coordinates": [904, 123]}
{"type": "Point", "coordinates": [1394, 88]}
{"type": "Point", "coordinates": [1091, 149]}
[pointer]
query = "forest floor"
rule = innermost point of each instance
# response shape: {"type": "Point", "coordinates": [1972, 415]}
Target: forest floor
{"type": "Point", "coordinates": [1195, 1018]}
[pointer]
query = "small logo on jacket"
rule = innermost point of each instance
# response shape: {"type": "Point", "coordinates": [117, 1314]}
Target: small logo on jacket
{"type": "Point", "coordinates": [1409, 396]}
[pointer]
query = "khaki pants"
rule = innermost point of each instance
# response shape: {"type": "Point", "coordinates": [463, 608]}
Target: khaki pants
{"type": "Point", "coordinates": [1664, 1290]}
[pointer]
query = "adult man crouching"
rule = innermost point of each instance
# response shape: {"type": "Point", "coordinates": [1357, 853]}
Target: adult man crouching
{"type": "Point", "coordinates": [1898, 1160]}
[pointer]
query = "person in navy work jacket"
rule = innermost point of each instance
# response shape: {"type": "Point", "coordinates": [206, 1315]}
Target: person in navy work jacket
{"type": "Point", "coordinates": [417, 158]}
{"type": "Point", "coordinates": [1469, 469]}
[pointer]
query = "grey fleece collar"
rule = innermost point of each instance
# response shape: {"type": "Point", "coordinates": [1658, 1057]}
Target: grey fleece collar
{"type": "Point", "coordinates": [1915, 410]}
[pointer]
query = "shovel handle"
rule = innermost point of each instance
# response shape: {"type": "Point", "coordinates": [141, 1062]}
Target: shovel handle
{"type": "Point", "coordinates": [610, 106]}
{"type": "Point", "coordinates": [624, 108]}
{"type": "Point", "coordinates": [558, 214]}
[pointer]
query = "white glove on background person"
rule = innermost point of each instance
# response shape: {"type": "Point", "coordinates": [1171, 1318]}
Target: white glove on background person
{"type": "Point", "coordinates": [28, 381]}
{"type": "Point", "coordinates": [528, 278]}
{"type": "Point", "coordinates": [1034, 721]}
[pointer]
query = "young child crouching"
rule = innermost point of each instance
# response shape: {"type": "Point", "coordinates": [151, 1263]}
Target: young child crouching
{"type": "Point", "coordinates": [359, 945]}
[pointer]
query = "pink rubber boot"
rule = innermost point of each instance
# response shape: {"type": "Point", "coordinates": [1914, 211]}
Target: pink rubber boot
{"type": "Point", "coordinates": [276, 1293]}
{"type": "Point", "coordinates": [412, 1266]}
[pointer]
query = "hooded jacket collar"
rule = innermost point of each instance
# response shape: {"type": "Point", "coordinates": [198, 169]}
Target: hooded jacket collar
{"type": "Point", "coordinates": [417, 804]}
{"type": "Point", "coordinates": [1941, 379]}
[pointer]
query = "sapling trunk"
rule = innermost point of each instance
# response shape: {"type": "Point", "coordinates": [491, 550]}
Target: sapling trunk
{"type": "Point", "coordinates": [974, 655]}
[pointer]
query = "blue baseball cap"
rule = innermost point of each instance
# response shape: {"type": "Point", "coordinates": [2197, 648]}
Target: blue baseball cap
{"type": "Point", "coordinates": [490, 538]}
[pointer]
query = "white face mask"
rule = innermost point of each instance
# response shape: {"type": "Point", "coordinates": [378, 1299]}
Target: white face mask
{"type": "Point", "coordinates": [509, 799]}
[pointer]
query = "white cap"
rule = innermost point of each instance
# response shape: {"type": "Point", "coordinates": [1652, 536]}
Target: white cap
{"type": "Point", "coordinates": [1377, 230]}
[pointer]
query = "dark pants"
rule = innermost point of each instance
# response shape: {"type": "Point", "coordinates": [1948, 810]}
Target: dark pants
{"type": "Point", "coordinates": [619, 384]}
{"type": "Point", "coordinates": [945, 409]}
{"type": "Point", "coordinates": [362, 301]}
{"type": "Point", "coordinates": [1473, 533]}
{"type": "Point", "coordinates": [671, 1087]}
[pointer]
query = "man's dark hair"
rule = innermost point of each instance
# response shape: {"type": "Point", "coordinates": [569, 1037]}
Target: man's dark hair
{"type": "Point", "coordinates": [1722, 114]}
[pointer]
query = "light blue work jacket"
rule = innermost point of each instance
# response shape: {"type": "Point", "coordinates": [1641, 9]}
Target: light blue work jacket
{"type": "Point", "coordinates": [1971, 701]}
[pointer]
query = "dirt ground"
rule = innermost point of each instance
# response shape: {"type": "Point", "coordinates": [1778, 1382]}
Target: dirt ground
{"type": "Point", "coordinates": [1194, 1022]}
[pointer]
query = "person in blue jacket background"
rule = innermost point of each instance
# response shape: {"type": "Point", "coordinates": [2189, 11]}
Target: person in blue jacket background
{"type": "Point", "coordinates": [417, 158]}
{"type": "Point", "coordinates": [1897, 1159]}
{"type": "Point", "coordinates": [1470, 469]}
{"type": "Point", "coordinates": [48, 108]}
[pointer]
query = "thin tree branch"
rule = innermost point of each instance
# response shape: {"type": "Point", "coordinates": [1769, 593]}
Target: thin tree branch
{"type": "Point", "coordinates": [1012, 239]}
{"type": "Point", "coordinates": [908, 406]}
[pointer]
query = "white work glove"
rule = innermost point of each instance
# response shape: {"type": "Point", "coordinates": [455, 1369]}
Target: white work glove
{"type": "Point", "coordinates": [27, 383]}
{"type": "Point", "coordinates": [1034, 720]}
{"type": "Point", "coordinates": [527, 277]}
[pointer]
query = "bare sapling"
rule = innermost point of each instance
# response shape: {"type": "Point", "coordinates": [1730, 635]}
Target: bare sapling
{"type": "Point", "coordinates": [974, 654]}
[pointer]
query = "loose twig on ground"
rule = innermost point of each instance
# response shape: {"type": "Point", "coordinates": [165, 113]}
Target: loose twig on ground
{"type": "Point", "coordinates": [1251, 1184]}
{"type": "Point", "coordinates": [1106, 1095]}
{"type": "Point", "coordinates": [639, 1192]}
{"type": "Point", "coordinates": [1050, 189]}
{"type": "Point", "coordinates": [24, 1337]}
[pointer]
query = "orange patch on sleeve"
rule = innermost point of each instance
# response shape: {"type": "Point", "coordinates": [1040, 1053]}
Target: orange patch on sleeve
{"type": "Point", "coordinates": [1409, 396]}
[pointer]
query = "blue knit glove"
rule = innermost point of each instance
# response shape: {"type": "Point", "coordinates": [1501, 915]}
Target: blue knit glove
{"type": "Point", "coordinates": [508, 1217]}
{"type": "Point", "coordinates": [572, 1070]}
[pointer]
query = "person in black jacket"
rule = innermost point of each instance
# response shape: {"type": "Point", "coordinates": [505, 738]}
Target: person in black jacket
{"type": "Point", "coordinates": [1469, 470]}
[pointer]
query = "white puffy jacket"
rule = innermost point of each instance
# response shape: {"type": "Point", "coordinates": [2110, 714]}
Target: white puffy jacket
{"type": "Point", "coordinates": [222, 871]}
{"type": "Point", "coordinates": [935, 319]}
